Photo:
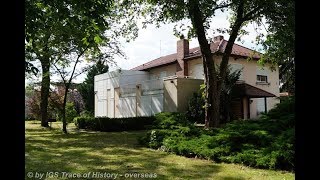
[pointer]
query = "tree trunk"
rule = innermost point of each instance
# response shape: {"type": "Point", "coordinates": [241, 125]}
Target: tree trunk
{"type": "Point", "coordinates": [223, 70]}
{"type": "Point", "coordinates": [216, 104]}
{"type": "Point", "coordinates": [64, 120]}
{"type": "Point", "coordinates": [45, 86]}
{"type": "Point", "coordinates": [208, 63]}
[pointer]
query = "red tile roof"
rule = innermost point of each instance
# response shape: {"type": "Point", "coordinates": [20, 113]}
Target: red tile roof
{"type": "Point", "coordinates": [216, 47]}
{"type": "Point", "coordinates": [158, 62]}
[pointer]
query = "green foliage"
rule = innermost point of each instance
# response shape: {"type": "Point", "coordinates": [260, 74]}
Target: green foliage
{"type": "Point", "coordinates": [168, 124]}
{"type": "Point", "coordinates": [196, 111]}
{"type": "Point", "coordinates": [279, 45]}
{"type": "Point", "coordinates": [86, 89]}
{"type": "Point", "coordinates": [119, 151]}
{"type": "Point", "coordinates": [169, 120]}
{"type": "Point", "coordinates": [113, 124]}
{"type": "Point", "coordinates": [58, 33]}
{"type": "Point", "coordinates": [286, 107]}
{"type": "Point", "coordinates": [265, 143]}
{"type": "Point", "coordinates": [71, 112]}
{"type": "Point", "coordinates": [84, 122]}
{"type": "Point", "coordinates": [196, 104]}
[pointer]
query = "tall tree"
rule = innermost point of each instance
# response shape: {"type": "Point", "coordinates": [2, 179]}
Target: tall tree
{"type": "Point", "coordinates": [86, 89]}
{"type": "Point", "coordinates": [279, 45]}
{"type": "Point", "coordinates": [200, 13]}
{"type": "Point", "coordinates": [58, 28]}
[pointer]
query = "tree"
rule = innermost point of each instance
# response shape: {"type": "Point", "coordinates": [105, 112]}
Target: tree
{"type": "Point", "coordinates": [86, 89]}
{"type": "Point", "coordinates": [200, 13]}
{"type": "Point", "coordinates": [279, 45]}
{"type": "Point", "coordinates": [32, 104]}
{"type": "Point", "coordinates": [226, 95]}
{"type": "Point", "coordinates": [77, 100]}
{"type": "Point", "coordinates": [196, 103]}
{"type": "Point", "coordinates": [56, 28]}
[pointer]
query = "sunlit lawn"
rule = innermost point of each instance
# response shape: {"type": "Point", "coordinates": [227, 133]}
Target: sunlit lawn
{"type": "Point", "coordinates": [118, 152]}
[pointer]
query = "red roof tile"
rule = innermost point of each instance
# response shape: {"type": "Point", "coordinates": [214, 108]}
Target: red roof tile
{"type": "Point", "coordinates": [157, 62]}
{"type": "Point", "coordinates": [220, 46]}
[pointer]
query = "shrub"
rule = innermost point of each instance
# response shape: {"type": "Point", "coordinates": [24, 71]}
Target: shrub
{"type": "Point", "coordinates": [196, 111]}
{"type": "Point", "coordinates": [83, 122]}
{"type": "Point", "coordinates": [87, 113]}
{"type": "Point", "coordinates": [265, 143]}
{"type": "Point", "coordinates": [71, 112]}
{"type": "Point", "coordinates": [170, 120]}
{"type": "Point", "coordinates": [286, 107]}
{"type": "Point", "coordinates": [113, 124]}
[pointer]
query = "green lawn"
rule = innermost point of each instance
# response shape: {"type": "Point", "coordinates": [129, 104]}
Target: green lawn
{"type": "Point", "coordinates": [83, 152]}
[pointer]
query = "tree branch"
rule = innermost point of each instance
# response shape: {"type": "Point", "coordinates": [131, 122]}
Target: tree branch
{"type": "Point", "coordinates": [221, 6]}
{"type": "Point", "coordinates": [63, 78]}
{"type": "Point", "coordinates": [252, 14]}
{"type": "Point", "coordinates": [75, 65]}
{"type": "Point", "coordinates": [84, 70]}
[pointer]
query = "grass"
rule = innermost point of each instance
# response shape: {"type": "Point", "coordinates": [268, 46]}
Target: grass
{"type": "Point", "coordinates": [49, 150]}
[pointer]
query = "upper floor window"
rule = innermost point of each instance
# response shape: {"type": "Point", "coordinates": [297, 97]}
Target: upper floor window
{"type": "Point", "coordinates": [262, 75]}
{"type": "Point", "coordinates": [262, 78]}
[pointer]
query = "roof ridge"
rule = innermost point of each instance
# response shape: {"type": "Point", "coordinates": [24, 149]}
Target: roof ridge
{"type": "Point", "coordinates": [196, 51]}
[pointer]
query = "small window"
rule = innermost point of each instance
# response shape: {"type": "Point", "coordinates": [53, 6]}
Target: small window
{"type": "Point", "coordinates": [261, 78]}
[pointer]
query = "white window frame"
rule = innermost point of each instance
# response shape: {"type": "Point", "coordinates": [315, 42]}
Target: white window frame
{"type": "Point", "coordinates": [259, 78]}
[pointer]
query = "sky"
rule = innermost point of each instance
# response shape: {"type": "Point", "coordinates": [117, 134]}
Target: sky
{"type": "Point", "coordinates": [154, 42]}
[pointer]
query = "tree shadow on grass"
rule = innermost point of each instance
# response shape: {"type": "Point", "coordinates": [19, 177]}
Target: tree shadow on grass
{"type": "Point", "coordinates": [110, 152]}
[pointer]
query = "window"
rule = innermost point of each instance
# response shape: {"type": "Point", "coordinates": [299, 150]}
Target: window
{"type": "Point", "coordinates": [262, 75]}
{"type": "Point", "coordinates": [260, 105]}
{"type": "Point", "coordinates": [262, 78]}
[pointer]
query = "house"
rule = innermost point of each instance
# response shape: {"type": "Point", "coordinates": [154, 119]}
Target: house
{"type": "Point", "coordinates": [166, 83]}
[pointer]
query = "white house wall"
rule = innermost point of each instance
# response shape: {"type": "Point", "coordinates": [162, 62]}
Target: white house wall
{"type": "Point", "coordinates": [127, 106]}
{"type": "Point", "coordinates": [156, 104]}
{"type": "Point", "coordinates": [145, 108]}
{"type": "Point", "coordinates": [104, 85]}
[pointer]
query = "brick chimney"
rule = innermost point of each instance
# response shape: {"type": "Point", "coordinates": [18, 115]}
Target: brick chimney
{"type": "Point", "coordinates": [182, 51]}
{"type": "Point", "coordinates": [217, 38]}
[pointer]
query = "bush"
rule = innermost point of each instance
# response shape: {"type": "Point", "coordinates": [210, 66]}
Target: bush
{"type": "Point", "coordinates": [196, 111]}
{"type": "Point", "coordinates": [113, 124]}
{"type": "Point", "coordinates": [87, 113]}
{"type": "Point", "coordinates": [286, 107]}
{"type": "Point", "coordinates": [71, 112]}
{"type": "Point", "coordinates": [170, 120]}
{"type": "Point", "coordinates": [265, 143]}
{"type": "Point", "coordinates": [85, 122]}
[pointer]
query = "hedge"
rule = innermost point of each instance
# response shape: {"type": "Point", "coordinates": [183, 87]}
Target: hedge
{"type": "Point", "coordinates": [113, 124]}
